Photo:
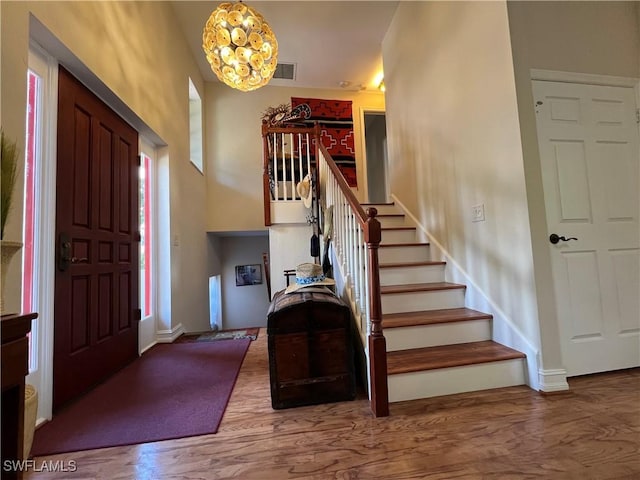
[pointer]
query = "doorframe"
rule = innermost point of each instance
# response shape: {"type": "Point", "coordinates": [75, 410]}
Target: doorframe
{"type": "Point", "coordinates": [556, 379]}
{"type": "Point", "coordinates": [589, 79]}
{"type": "Point", "coordinates": [46, 227]}
{"type": "Point", "coordinates": [148, 326]}
{"type": "Point", "coordinates": [363, 149]}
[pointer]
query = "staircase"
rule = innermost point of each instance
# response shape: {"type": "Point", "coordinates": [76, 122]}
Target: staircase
{"type": "Point", "coordinates": [435, 345]}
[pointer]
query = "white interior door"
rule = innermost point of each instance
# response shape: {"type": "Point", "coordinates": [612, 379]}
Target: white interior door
{"type": "Point", "coordinates": [589, 153]}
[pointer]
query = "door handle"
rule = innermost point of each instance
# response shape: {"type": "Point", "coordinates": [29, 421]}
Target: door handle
{"type": "Point", "coordinates": [64, 255]}
{"type": "Point", "coordinates": [553, 238]}
{"type": "Point", "coordinates": [64, 252]}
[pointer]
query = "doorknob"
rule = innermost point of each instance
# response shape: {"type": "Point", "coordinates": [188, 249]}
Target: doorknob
{"type": "Point", "coordinates": [79, 260]}
{"type": "Point", "coordinates": [553, 238]}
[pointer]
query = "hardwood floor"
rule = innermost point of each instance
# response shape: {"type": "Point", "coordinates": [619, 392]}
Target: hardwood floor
{"type": "Point", "coordinates": [591, 432]}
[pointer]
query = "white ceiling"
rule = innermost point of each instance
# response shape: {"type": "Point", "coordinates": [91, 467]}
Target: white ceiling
{"type": "Point", "coordinates": [329, 41]}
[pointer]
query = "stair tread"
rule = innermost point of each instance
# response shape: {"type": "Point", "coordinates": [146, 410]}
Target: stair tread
{"type": "Point", "coordinates": [390, 215]}
{"type": "Point", "coordinates": [446, 356]}
{"type": "Point", "coordinates": [403, 227]}
{"type": "Point", "coordinates": [431, 317]}
{"type": "Point", "coordinates": [374, 204]}
{"type": "Point", "coordinates": [410, 264]}
{"type": "Point", "coordinates": [411, 244]}
{"type": "Point", "coordinates": [419, 287]}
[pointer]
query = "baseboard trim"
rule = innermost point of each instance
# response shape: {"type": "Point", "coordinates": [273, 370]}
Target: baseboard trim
{"type": "Point", "coordinates": [554, 380]}
{"type": "Point", "coordinates": [155, 342]}
{"type": "Point", "coordinates": [168, 336]}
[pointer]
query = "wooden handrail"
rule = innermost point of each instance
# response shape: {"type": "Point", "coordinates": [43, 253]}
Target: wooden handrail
{"type": "Point", "coordinates": [266, 129]}
{"type": "Point", "coordinates": [376, 341]}
{"type": "Point", "coordinates": [361, 216]}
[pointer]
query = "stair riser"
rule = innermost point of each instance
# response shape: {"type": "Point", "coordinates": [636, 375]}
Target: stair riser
{"type": "Point", "coordinates": [398, 236]}
{"type": "Point", "coordinates": [384, 209]}
{"type": "Point", "coordinates": [447, 381]}
{"type": "Point", "coordinates": [404, 338]}
{"type": "Point", "coordinates": [417, 274]}
{"type": "Point", "coordinates": [418, 301]}
{"type": "Point", "coordinates": [415, 253]}
{"type": "Point", "coordinates": [392, 221]}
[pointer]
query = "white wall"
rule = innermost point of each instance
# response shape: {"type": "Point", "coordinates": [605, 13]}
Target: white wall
{"type": "Point", "coordinates": [290, 245]}
{"type": "Point", "coordinates": [118, 44]}
{"type": "Point", "coordinates": [234, 148]}
{"type": "Point", "coordinates": [243, 306]}
{"type": "Point", "coordinates": [454, 142]}
{"type": "Point", "coordinates": [586, 37]}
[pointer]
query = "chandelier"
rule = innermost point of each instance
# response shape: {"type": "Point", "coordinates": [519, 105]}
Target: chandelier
{"type": "Point", "coordinates": [240, 46]}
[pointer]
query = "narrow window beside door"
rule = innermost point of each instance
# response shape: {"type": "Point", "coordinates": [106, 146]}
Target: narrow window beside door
{"type": "Point", "coordinates": [145, 236]}
{"type": "Point", "coordinates": [32, 149]}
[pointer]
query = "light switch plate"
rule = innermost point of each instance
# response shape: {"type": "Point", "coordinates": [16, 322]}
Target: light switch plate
{"type": "Point", "coordinates": [477, 213]}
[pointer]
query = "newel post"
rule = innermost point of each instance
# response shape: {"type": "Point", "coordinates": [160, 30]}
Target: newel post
{"type": "Point", "coordinates": [317, 135]}
{"type": "Point", "coordinates": [266, 188]}
{"type": "Point", "coordinates": [377, 342]}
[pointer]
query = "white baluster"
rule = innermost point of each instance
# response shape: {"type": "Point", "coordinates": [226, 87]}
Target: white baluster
{"type": "Point", "coordinates": [275, 167]}
{"type": "Point", "coordinates": [293, 170]}
{"type": "Point", "coordinates": [343, 229]}
{"type": "Point", "coordinates": [300, 155]}
{"type": "Point", "coordinates": [361, 270]}
{"type": "Point", "coordinates": [367, 293]}
{"type": "Point", "coordinates": [340, 215]}
{"type": "Point", "coordinates": [351, 243]}
{"type": "Point", "coordinates": [284, 170]}
{"type": "Point", "coordinates": [356, 258]}
{"type": "Point", "coordinates": [309, 153]}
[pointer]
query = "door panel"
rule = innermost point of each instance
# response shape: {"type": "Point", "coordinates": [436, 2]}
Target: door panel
{"type": "Point", "coordinates": [96, 297]}
{"type": "Point", "coordinates": [589, 153]}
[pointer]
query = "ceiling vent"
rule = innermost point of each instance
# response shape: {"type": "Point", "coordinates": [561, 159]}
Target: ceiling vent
{"type": "Point", "coordinates": [285, 71]}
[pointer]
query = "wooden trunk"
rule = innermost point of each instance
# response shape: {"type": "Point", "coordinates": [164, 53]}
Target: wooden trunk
{"type": "Point", "coordinates": [310, 349]}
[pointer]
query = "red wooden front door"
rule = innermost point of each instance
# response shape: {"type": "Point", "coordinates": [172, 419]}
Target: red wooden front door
{"type": "Point", "coordinates": [96, 285]}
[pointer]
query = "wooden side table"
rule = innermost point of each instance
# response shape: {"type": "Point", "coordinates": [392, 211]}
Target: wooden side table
{"type": "Point", "coordinates": [15, 366]}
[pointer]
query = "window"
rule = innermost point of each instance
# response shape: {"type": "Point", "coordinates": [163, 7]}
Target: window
{"type": "Point", "coordinates": [33, 143]}
{"type": "Point", "coordinates": [146, 258]}
{"type": "Point", "coordinates": [195, 126]}
{"type": "Point", "coordinates": [32, 140]}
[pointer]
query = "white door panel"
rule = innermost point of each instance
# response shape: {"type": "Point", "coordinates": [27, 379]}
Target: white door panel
{"type": "Point", "coordinates": [589, 153]}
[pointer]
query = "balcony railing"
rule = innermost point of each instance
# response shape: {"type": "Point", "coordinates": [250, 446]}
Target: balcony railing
{"type": "Point", "coordinates": [289, 154]}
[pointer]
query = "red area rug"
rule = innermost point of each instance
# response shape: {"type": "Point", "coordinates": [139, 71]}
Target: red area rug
{"type": "Point", "coordinates": [172, 391]}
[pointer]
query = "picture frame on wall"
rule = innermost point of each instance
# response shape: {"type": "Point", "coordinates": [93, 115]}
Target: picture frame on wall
{"type": "Point", "coordinates": [248, 275]}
